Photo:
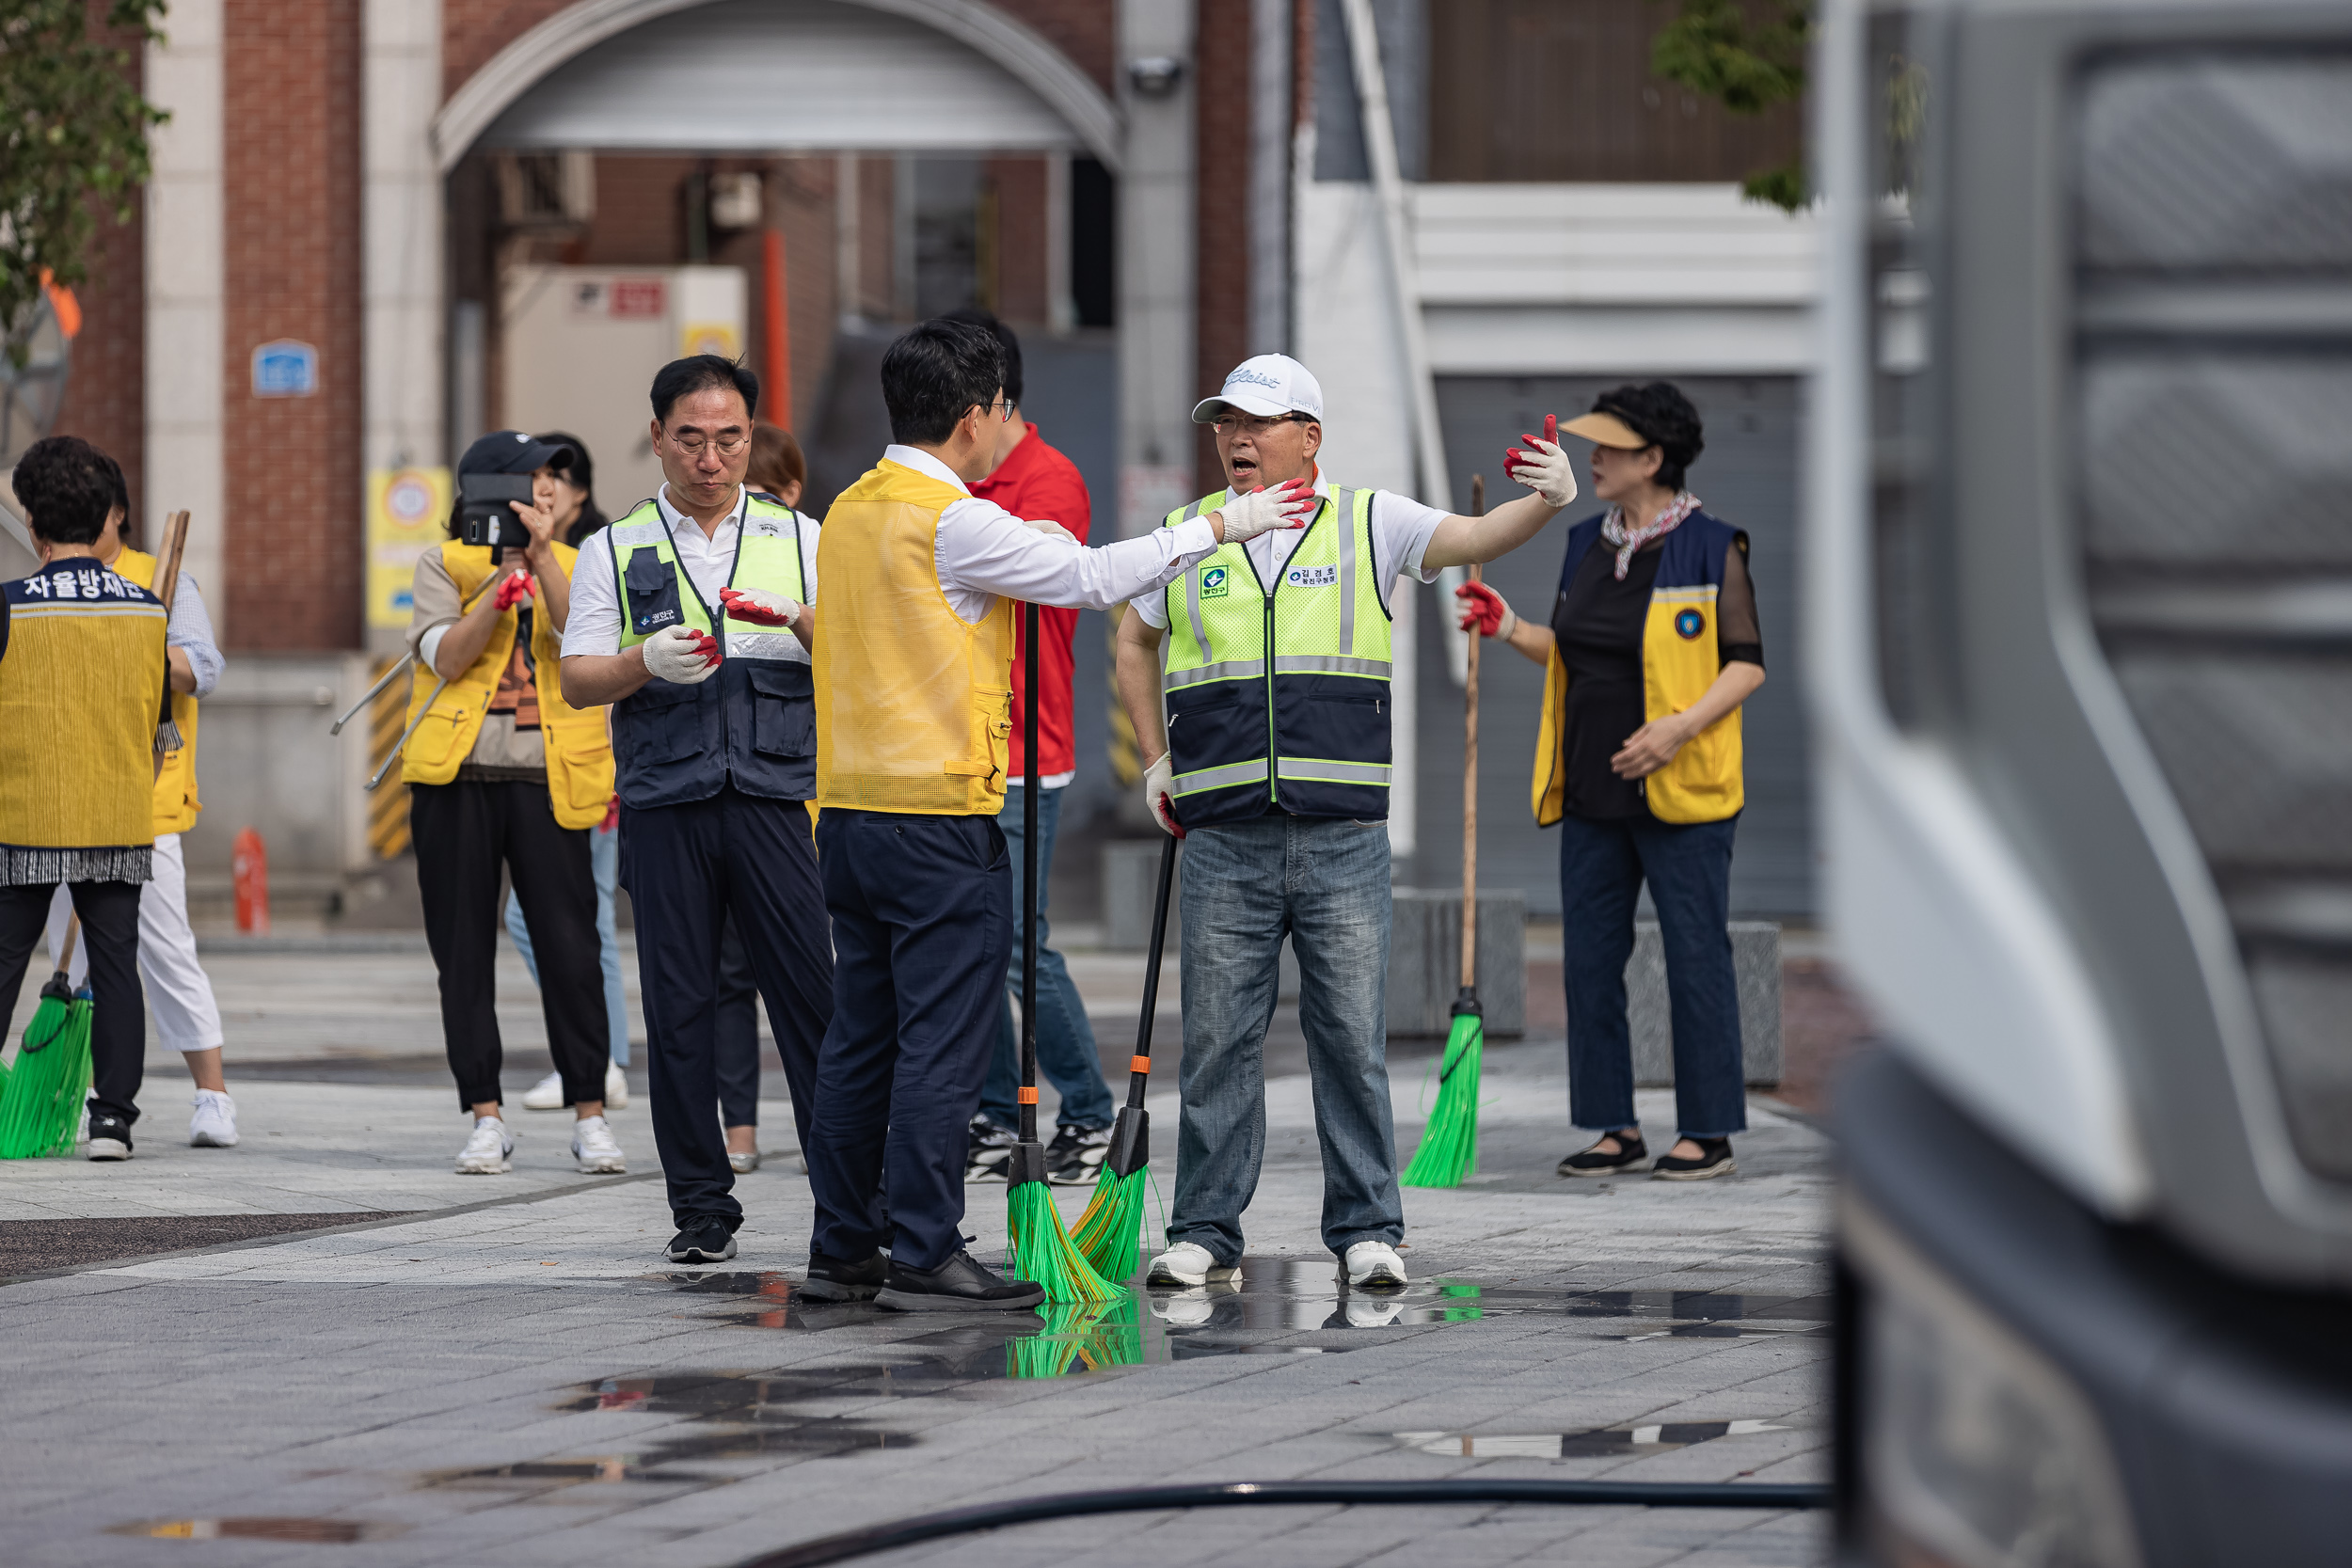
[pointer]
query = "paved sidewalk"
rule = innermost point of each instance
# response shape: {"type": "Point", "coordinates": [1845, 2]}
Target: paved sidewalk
{"type": "Point", "coordinates": [526, 1381]}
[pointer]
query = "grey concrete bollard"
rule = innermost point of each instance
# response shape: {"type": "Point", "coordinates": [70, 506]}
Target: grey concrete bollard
{"type": "Point", "coordinates": [1756, 963]}
{"type": "Point", "coordinates": [1425, 962]}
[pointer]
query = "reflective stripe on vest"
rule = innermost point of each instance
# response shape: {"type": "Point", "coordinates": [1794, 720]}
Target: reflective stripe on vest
{"type": "Point", "coordinates": [1297, 671]}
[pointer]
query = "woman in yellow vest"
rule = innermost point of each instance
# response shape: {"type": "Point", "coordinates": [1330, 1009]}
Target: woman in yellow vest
{"type": "Point", "coordinates": [1651, 648]}
{"type": "Point", "coordinates": [187, 1018]}
{"type": "Point", "coordinates": [501, 770]}
{"type": "Point", "coordinates": [80, 680]}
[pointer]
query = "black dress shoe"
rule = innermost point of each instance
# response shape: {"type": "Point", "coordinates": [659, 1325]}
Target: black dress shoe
{"type": "Point", "coordinates": [959, 1285]}
{"type": "Point", "coordinates": [1596, 1161]}
{"type": "Point", "coordinates": [830, 1280]}
{"type": "Point", "coordinates": [706, 1240]}
{"type": "Point", "coordinates": [1714, 1160]}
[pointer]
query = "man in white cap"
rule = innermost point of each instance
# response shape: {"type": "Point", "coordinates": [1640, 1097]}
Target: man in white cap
{"type": "Point", "coordinates": [1273, 764]}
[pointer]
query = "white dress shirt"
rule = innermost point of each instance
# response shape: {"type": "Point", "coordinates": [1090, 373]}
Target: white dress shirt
{"type": "Point", "coordinates": [1401, 528]}
{"type": "Point", "coordinates": [594, 625]}
{"type": "Point", "coordinates": [983, 552]}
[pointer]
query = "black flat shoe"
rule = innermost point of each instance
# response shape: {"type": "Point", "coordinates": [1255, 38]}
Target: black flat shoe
{"type": "Point", "coordinates": [702, 1240]}
{"type": "Point", "coordinates": [830, 1280]}
{"type": "Point", "coordinates": [1714, 1160]}
{"type": "Point", "coordinates": [1595, 1161]}
{"type": "Point", "coordinates": [959, 1285]}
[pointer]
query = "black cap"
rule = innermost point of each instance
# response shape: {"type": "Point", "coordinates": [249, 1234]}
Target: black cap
{"type": "Point", "coordinates": [512, 451]}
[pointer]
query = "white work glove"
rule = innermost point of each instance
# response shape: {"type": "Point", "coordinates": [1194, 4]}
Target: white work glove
{"type": "Point", "coordinates": [1159, 782]}
{"type": "Point", "coordinates": [1291, 504]}
{"type": "Point", "coordinates": [1543, 468]}
{"type": "Point", "coordinates": [759, 607]}
{"type": "Point", "coordinates": [681, 657]}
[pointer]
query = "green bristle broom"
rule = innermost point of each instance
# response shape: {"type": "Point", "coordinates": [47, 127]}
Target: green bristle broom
{"type": "Point", "coordinates": [1449, 1145]}
{"type": "Point", "coordinates": [1041, 1247]}
{"type": "Point", "coordinates": [1109, 1232]}
{"type": "Point", "coordinates": [41, 1110]}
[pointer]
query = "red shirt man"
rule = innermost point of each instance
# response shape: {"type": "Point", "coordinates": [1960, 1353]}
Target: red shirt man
{"type": "Point", "coordinates": [1036, 482]}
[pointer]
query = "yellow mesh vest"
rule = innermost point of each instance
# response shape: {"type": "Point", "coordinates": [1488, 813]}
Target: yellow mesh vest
{"type": "Point", "coordinates": [913, 705]}
{"type": "Point", "coordinates": [176, 804]}
{"type": "Point", "coordinates": [79, 687]}
{"type": "Point", "coordinates": [578, 750]}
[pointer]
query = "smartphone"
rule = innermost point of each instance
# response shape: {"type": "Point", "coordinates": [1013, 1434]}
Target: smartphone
{"type": "Point", "coordinates": [483, 516]}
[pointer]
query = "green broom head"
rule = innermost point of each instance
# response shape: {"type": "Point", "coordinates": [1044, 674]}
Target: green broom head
{"type": "Point", "coordinates": [1448, 1146]}
{"type": "Point", "coordinates": [1041, 1247]}
{"type": "Point", "coordinates": [1056, 1348]}
{"type": "Point", "coordinates": [1110, 1232]}
{"type": "Point", "coordinates": [1116, 1340]}
{"type": "Point", "coordinates": [41, 1111]}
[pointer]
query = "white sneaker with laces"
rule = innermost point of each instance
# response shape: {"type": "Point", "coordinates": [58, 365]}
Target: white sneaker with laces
{"type": "Point", "coordinates": [215, 1124]}
{"type": "Point", "coordinates": [489, 1152]}
{"type": "Point", "coordinates": [1189, 1263]}
{"type": "Point", "coordinates": [616, 1088]}
{"type": "Point", "coordinates": [545, 1095]}
{"type": "Point", "coordinates": [596, 1148]}
{"type": "Point", "coordinates": [1374, 1266]}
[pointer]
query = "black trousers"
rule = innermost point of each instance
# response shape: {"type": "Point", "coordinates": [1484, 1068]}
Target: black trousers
{"type": "Point", "coordinates": [688, 870]}
{"type": "Point", "coordinates": [736, 1032]}
{"type": "Point", "coordinates": [922, 914]}
{"type": "Point", "coordinates": [464, 832]}
{"type": "Point", "coordinates": [110, 930]}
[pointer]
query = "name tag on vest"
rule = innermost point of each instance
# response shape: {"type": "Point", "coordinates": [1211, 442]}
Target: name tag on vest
{"type": "Point", "coordinates": [1312, 577]}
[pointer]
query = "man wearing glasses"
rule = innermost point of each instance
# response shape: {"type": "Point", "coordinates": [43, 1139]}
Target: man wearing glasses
{"type": "Point", "coordinates": [707, 581]}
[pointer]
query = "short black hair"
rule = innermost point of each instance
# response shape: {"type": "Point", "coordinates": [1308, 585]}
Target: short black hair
{"type": "Point", "coordinates": [696, 372]}
{"type": "Point", "coordinates": [581, 472]}
{"type": "Point", "coordinates": [986, 320]}
{"type": "Point", "coordinates": [63, 483]}
{"type": "Point", "coordinates": [934, 373]}
{"type": "Point", "coordinates": [1660, 415]}
{"type": "Point", "coordinates": [121, 490]}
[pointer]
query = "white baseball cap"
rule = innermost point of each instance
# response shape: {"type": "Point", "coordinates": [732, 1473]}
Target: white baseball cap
{"type": "Point", "coordinates": [1265, 386]}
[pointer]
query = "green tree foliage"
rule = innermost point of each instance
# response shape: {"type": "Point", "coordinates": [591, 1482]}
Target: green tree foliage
{"type": "Point", "coordinates": [72, 139]}
{"type": "Point", "coordinates": [1748, 57]}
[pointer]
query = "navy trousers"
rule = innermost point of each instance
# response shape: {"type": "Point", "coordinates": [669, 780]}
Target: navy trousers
{"type": "Point", "coordinates": [688, 869]}
{"type": "Point", "coordinates": [922, 921]}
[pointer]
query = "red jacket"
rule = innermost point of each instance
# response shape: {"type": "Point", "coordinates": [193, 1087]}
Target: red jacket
{"type": "Point", "coordinates": [1037, 481]}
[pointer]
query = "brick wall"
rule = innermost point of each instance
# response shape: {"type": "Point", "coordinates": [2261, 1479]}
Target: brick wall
{"type": "Point", "coordinates": [1222, 208]}
{"type": "Point", "coordinates": [291, 466]}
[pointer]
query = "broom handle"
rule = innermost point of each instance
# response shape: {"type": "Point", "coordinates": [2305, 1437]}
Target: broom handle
{"type": "Point", "coordinates": [65, 950]}
{"type": "Point", "coordinates": [1029, 873]}
{"type": "Point", "coordinates": [167, 588]}
{"type": "Point", "coordinates": [1470, 780]}
{"type": "Point", "coordinates": [1139, 1073]}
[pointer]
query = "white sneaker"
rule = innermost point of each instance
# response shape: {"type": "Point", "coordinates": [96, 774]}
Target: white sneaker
{"type": "Point", "coordinates": [596, 1148]}
{"type": "Point", "coordinates": [1374, 1266]}
{"type": "Point", "coordinates": [616, 1088]}
{"type": "Point", "coordinates": [545, 1095]}
{"type": "Point", "coordinates": [1189, 1263]}
{"type": "Point", "coordinates": [489, 1152]}
{"type": "Point", "coordinates": [215, 1124]}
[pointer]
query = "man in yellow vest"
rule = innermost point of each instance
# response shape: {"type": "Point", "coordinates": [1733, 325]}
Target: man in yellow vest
{"type": "Point", "coordinates": [691, 616]}
{"type": "Point", "coordinates": [81, 680]}
{"type": "Point", "coordinates": [913, 654]}
{"type": "Point", "coordinates": [1271, 763]}
{"type": "Point", "coordinates": [502, 770]}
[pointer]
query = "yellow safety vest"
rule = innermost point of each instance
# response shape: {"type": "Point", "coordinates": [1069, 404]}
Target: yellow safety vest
{"type": "Point", "coordinates": [176, 804]}
{"type": "Point", "coordinates": [79, 689]}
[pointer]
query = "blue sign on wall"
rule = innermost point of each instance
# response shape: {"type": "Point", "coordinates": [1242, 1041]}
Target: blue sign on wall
{"type": "Point", "coordinates": [285, 368]}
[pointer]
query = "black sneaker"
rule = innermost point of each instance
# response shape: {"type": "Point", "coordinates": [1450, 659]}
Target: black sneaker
{"type": "Point", "coordinates": [1074, 1158]}
{"type": "Point", "coordinates": [706, 1240]}
{"type": "Point", "coordinates": [991, 1150]}
{"type": "Point", "coordinates": [959, 1285]}
{"type": "Point", "coordinates": [830, 1280]}
{"type": "Point", "coordinates": [1714, 1160]}
{"type": "Point", "coordinates": [1596, 1161]}
{"type": "Point", "coordinates": [110, 1137]}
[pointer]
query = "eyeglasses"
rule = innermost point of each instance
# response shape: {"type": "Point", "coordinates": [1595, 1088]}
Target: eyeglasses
{"type": "Point", "coordinates": [692, 443]}
{"type": "Point", "coordinates": [1008, 405]}
{"type": "Point", "coordinates": [1226, 424]}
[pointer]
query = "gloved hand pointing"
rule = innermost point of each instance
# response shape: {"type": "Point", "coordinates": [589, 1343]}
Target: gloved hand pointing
{"type": "Point", "coordinates": [1291, 504]}
{"type": "Point", "coordinates": [681, 656]}
{"type": "Point", "coordinates": [1484, 608]}
{"type": "Point", "coordinates": [1544, 468]}
{"type": "Point", "coordinates": [518, 587]}
{"type": "Point", "coordinates": [759, 607]}
{"type": "Point", "coordinates": [1159, 782]}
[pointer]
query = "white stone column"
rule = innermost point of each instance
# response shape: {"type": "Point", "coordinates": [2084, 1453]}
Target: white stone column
{"type": "Point", "coordinates": [185, 296]}
{"type": "Point", "coordinates": [1155, 269]}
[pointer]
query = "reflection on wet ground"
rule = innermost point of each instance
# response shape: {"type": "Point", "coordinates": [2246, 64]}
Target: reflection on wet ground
{"type": "Point", "coordinates": [1579, 1445]}
{"type": "Point", "coordinates": [311, 1532]}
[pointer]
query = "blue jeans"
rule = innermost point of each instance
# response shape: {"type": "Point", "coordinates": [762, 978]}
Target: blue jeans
{"type": "Point", "coordinates": [1323, 881]}
{"type": "Point", "coordinates": [604, 858]}
{"type": "Point", "coordinates": [1065, 1040]}
{"type": "Point", "coordinates": [1688, 865]}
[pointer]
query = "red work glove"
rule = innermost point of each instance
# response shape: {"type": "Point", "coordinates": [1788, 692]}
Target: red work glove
{"type": "Point", "coordinates": [611, 815]}
{"type": "Point", "coordinates": [707, 647]}
{"type": "Point", "coordinates": [758, 607]}
{"type": "Point", "coordinates": [515, 590]}
{"type": "Point", "coordinates": [1483, 607]}
{"type": "Point", "coordinates": [1544, 468]}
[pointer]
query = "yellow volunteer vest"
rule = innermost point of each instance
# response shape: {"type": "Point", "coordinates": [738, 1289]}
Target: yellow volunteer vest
{"type": "Point", "coordinates": [914, 705]}
{"type": "Point", "coordinates": [176, 803]}
{"type": "Point", "coordinates": [80, 685]}
{"type": "Point", "coordinates": [579, 752]}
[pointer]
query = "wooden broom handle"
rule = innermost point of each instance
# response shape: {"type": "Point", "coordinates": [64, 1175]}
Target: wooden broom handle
{"type": "Point", "coordinates": [65, 949]}
{"type": "Point", "coordinates": [1470, 778]}
{"type": "Point", "coordinates": [168, 565]}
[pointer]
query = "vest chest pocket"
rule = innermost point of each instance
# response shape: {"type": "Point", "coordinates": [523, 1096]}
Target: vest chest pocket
{"type": "Point", "coordinates": [653, 595]}
{"type": "Point", "coordinates": [783, 709]}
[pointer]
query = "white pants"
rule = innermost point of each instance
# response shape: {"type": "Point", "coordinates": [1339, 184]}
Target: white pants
{"type": "Point", "coordinates": [180, 997]}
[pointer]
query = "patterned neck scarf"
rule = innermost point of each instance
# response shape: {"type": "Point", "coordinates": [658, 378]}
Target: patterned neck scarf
{"type": "Point", "coordinates": [1628, 540]}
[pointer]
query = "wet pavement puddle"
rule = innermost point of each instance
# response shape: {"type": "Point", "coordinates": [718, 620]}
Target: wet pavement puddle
{"type": "Point", "coordinates": [1599, 1444]}
{"type": "Point", "coordinates": [310, 1532]}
